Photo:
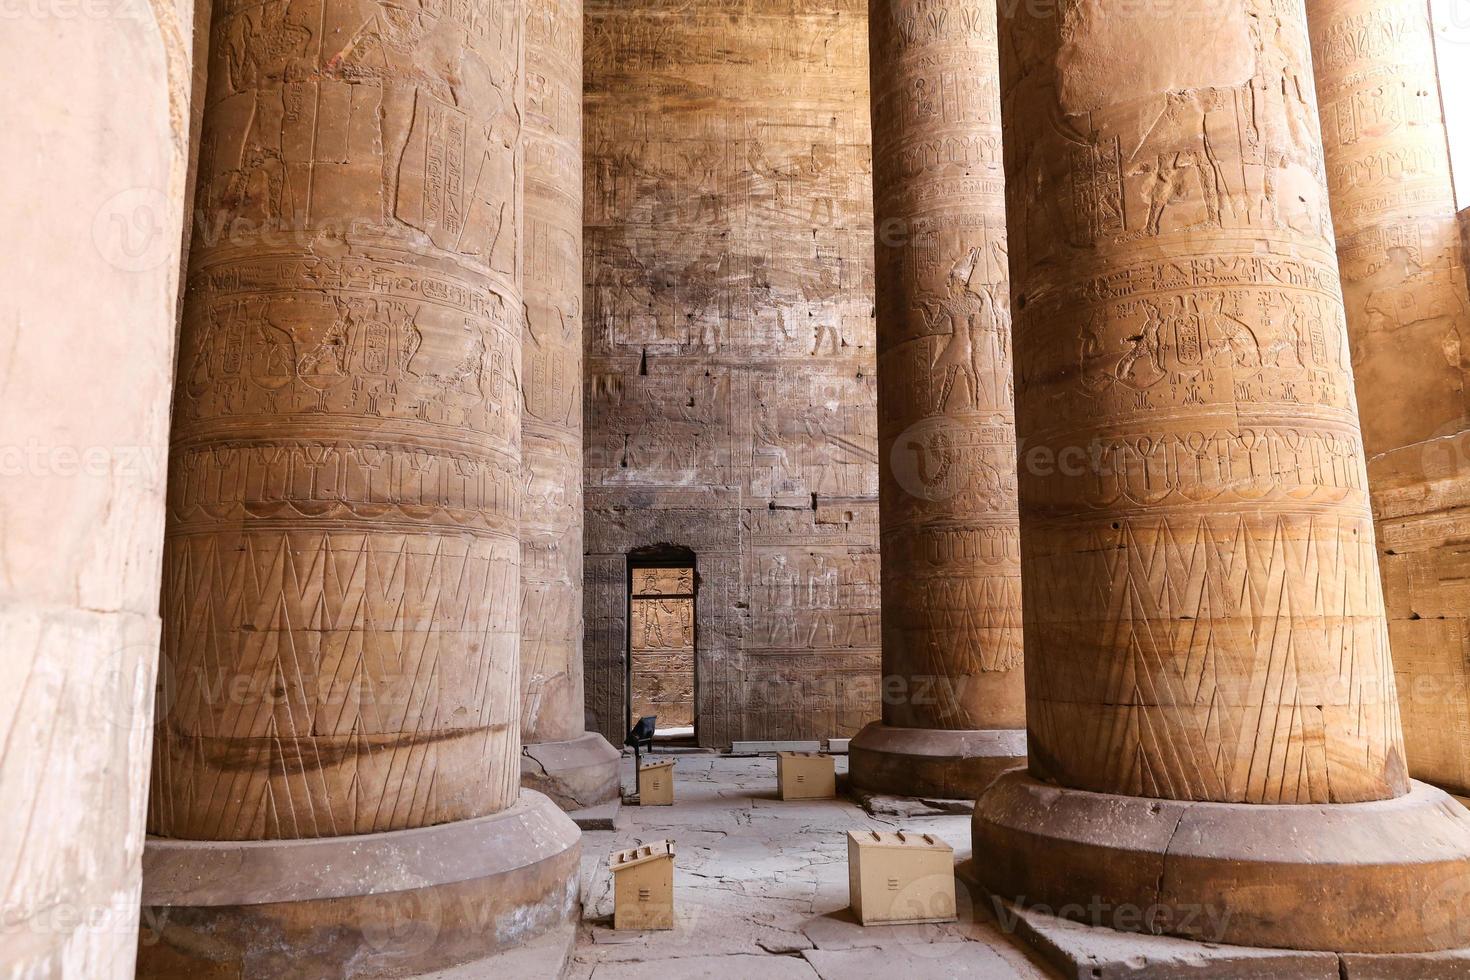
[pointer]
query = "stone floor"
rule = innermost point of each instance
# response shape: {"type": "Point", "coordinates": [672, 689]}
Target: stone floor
{"type": "Point", "coordinates": [760, 890]}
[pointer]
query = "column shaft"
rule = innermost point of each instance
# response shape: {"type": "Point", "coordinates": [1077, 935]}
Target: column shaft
{"type": "Point", "coordinates": [1408, 317]}
{"type": "Point", "coordinates": [1207, 665]}
{"type": "Point", "coordinates": [336, 776]}
{"type": "Point", "coordinates": [340, 639]}
{"type": "Point", "coordinates": [947, 496]}
{"type": "Point", "coordinates": [1203, 613]}
{"type": "Point", "coordinates": [573, 767]}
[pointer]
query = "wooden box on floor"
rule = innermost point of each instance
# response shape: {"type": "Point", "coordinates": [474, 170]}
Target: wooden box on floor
{"type": "Point", "coordinates": [643, 886]}
{"type": "Point", "coordinates": [806, 776]}
{"type": "Point", "coordinates": [656, 783]}
{"type": "Point", "coordinates": [898, 877]}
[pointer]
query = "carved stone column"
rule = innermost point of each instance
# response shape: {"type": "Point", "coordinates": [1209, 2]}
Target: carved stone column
{"type": "Point", "coordinates": [574, 767]}
{"type": "Point", "coordinates": [954, 711]}
{"type": "Point", "coordinates": [1408, 317]}
{"type": "Point", "coordinates": [92, 206]}
{"type": "Point", "coordinates": [336, 773]}
{"type": "Point", "coordinates": [1214, 738]}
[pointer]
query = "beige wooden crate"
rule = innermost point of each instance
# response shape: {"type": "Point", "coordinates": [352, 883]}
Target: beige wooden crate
{"type": "Point", "coordinates": [656, 783]}
{"type": "Point", "coordinates": [899, 877]}
{"type": "Point", "coordinates": [643, 886]}
{"type": "Point", "coordinates": [806, 776]}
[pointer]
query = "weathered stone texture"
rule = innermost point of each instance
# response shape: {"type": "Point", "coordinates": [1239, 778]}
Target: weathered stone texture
{"type": "Point", "coordinates": [92, 205]}
{"type": "Point", "coordinates": [730, 367]}
{"type": "Point", "coordinates": [662, 648]}
{"type": "Point", "coordinates": [1203, 613]}
{"type": "Point", "coordinates": [951, 550]}
{"type": "Point", "coordinates": [1408, 316]}
{"type": "Point", "coordinates": [551, 428]}
{"type": "Point", "coordinates": [342, 554]}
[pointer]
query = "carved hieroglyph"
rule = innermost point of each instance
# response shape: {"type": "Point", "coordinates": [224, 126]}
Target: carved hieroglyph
{"type": "Point", "coordinates": [551, 429]}
{"type": "Point", "coordinates": [92, 209]}
{"type": "Point", "coordinates": [1408, 315]}
{"type": "Point", "coordinates": [1203, 613]}
{"type": "Point", "coordinates": [661, 645]}
{"type": "Point", "coordinates": [1393, 207]}
{"type": "Point", "coordinates": [951, 551]}
{"type": "Point", "coordinates": [730, 366]}
{"type": "Point", "coordinates": [342, 557]}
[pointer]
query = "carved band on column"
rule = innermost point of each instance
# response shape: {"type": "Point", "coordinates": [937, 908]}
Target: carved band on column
{"type": "Point", "coordinates": [953, 688]}
{"type": "Point", "coordinates": [343, 545]}
{"type": "Point", "coordinates": [1408, 319]}
{"type": "Point", "coordinates": [1212, 717]}
{"type": "Point", "coordinates": [574, 767]}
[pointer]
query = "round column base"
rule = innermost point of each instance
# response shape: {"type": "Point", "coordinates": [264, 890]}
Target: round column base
{"type": "Point", "coordinates": [931, 762]}
{"type": "Point", "coordinates": [374, 905]}
{"type": "Point", "coordinates": [1382, 877]}
{"type": "Point", "coordinates": [576, 774]}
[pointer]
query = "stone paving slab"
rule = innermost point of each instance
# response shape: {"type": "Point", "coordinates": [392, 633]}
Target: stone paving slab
{"type": "Point", "coordinates": [1092, 953]}
{"type": "Point", "coordinates": [601, 817]}
{"type": "Point", "coordinates": [934, 961]}
{"type": "Point", "coordinates": [544, 958]}
{"type": "Point", "coordinates": [758, 883]}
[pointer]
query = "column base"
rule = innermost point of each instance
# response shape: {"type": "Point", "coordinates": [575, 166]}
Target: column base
{"type": "Point", "coordinates": [374, 905]}
{"type": "Point", "coordinates": [580, 773]}
{"type": "Point", "coordinates": [931, 762]}
{"type": "Point", "coordinates": [1384, 877]}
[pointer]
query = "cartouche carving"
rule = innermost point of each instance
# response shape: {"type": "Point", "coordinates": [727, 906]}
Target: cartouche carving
{"type": "Point", "coordinates": [1408, 315]}
{"type": "Point", "coordinates": [340, 629]}
{"type": "Point", "coordinates": [1203, 613]}
{"type": "Point", "coordinates": [951, 558]}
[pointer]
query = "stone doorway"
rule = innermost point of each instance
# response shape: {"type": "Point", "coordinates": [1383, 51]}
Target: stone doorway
{"type": "Point", "coordinates": [662, 673]}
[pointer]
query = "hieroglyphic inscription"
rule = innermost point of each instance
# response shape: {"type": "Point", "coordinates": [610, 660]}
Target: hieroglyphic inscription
{"type": "Point", "coordinates": [729, 324]}
{"type": "Point", "coordinates": [661, 644]}
{"type": "Point", "coordinates": [1203, 613]}
{"type": "Point", "coordinates": [951, 555]}
{"type": "Point", "coordinates": [1408, 314]}
{"type": "Point", "coordinates": [551, 427]}
{"type": "Point", "coordinates": [340, 628]}
{"type": "Point", "coordinates": [1393, 206]}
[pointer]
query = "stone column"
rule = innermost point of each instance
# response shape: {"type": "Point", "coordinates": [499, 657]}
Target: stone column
{"type": "Point", "coordinates": [560, 758]}
{"type": "Point", "coordinates": [1215, 749]}
{"type": "Point", "coordinates": [336, 772]}
{"type": "Point", "coordinates": [1408, 318]}
{"type": "Point", "coordinates": [954, 711]}
{"type": "Point", "coordinates": [92, 206]}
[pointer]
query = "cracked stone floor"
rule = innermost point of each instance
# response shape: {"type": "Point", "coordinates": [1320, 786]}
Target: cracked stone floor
{"type": "Point", "coordinates": [760, 891]}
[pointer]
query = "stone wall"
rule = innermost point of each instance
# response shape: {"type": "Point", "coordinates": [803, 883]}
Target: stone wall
{"type": "Point", "coordinates": [730, 400]}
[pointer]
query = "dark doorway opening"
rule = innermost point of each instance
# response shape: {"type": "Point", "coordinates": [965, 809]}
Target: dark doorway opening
{"type": "Point", "coordinates": [663, 657]}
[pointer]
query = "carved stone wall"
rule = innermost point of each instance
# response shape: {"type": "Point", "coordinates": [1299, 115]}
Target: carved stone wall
{"type": "Point", "coordinates": [92, 206]}
{"type": "Point", "coordinates": [1203, 613]}
{"type": "Point", "coordinates": [1408, 315]}
{"type": "Point", "coordinates": [342, 556]}
{"type": "Point", "coordinates": [551, 430]}
{"type": "Point", "coordinates": [730, 365]}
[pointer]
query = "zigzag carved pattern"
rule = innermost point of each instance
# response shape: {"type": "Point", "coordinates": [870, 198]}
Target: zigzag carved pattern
{"type": "Point", "coordinates": [324, 683]}
{"type": "Point", "coordinates": [1185, 659]}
